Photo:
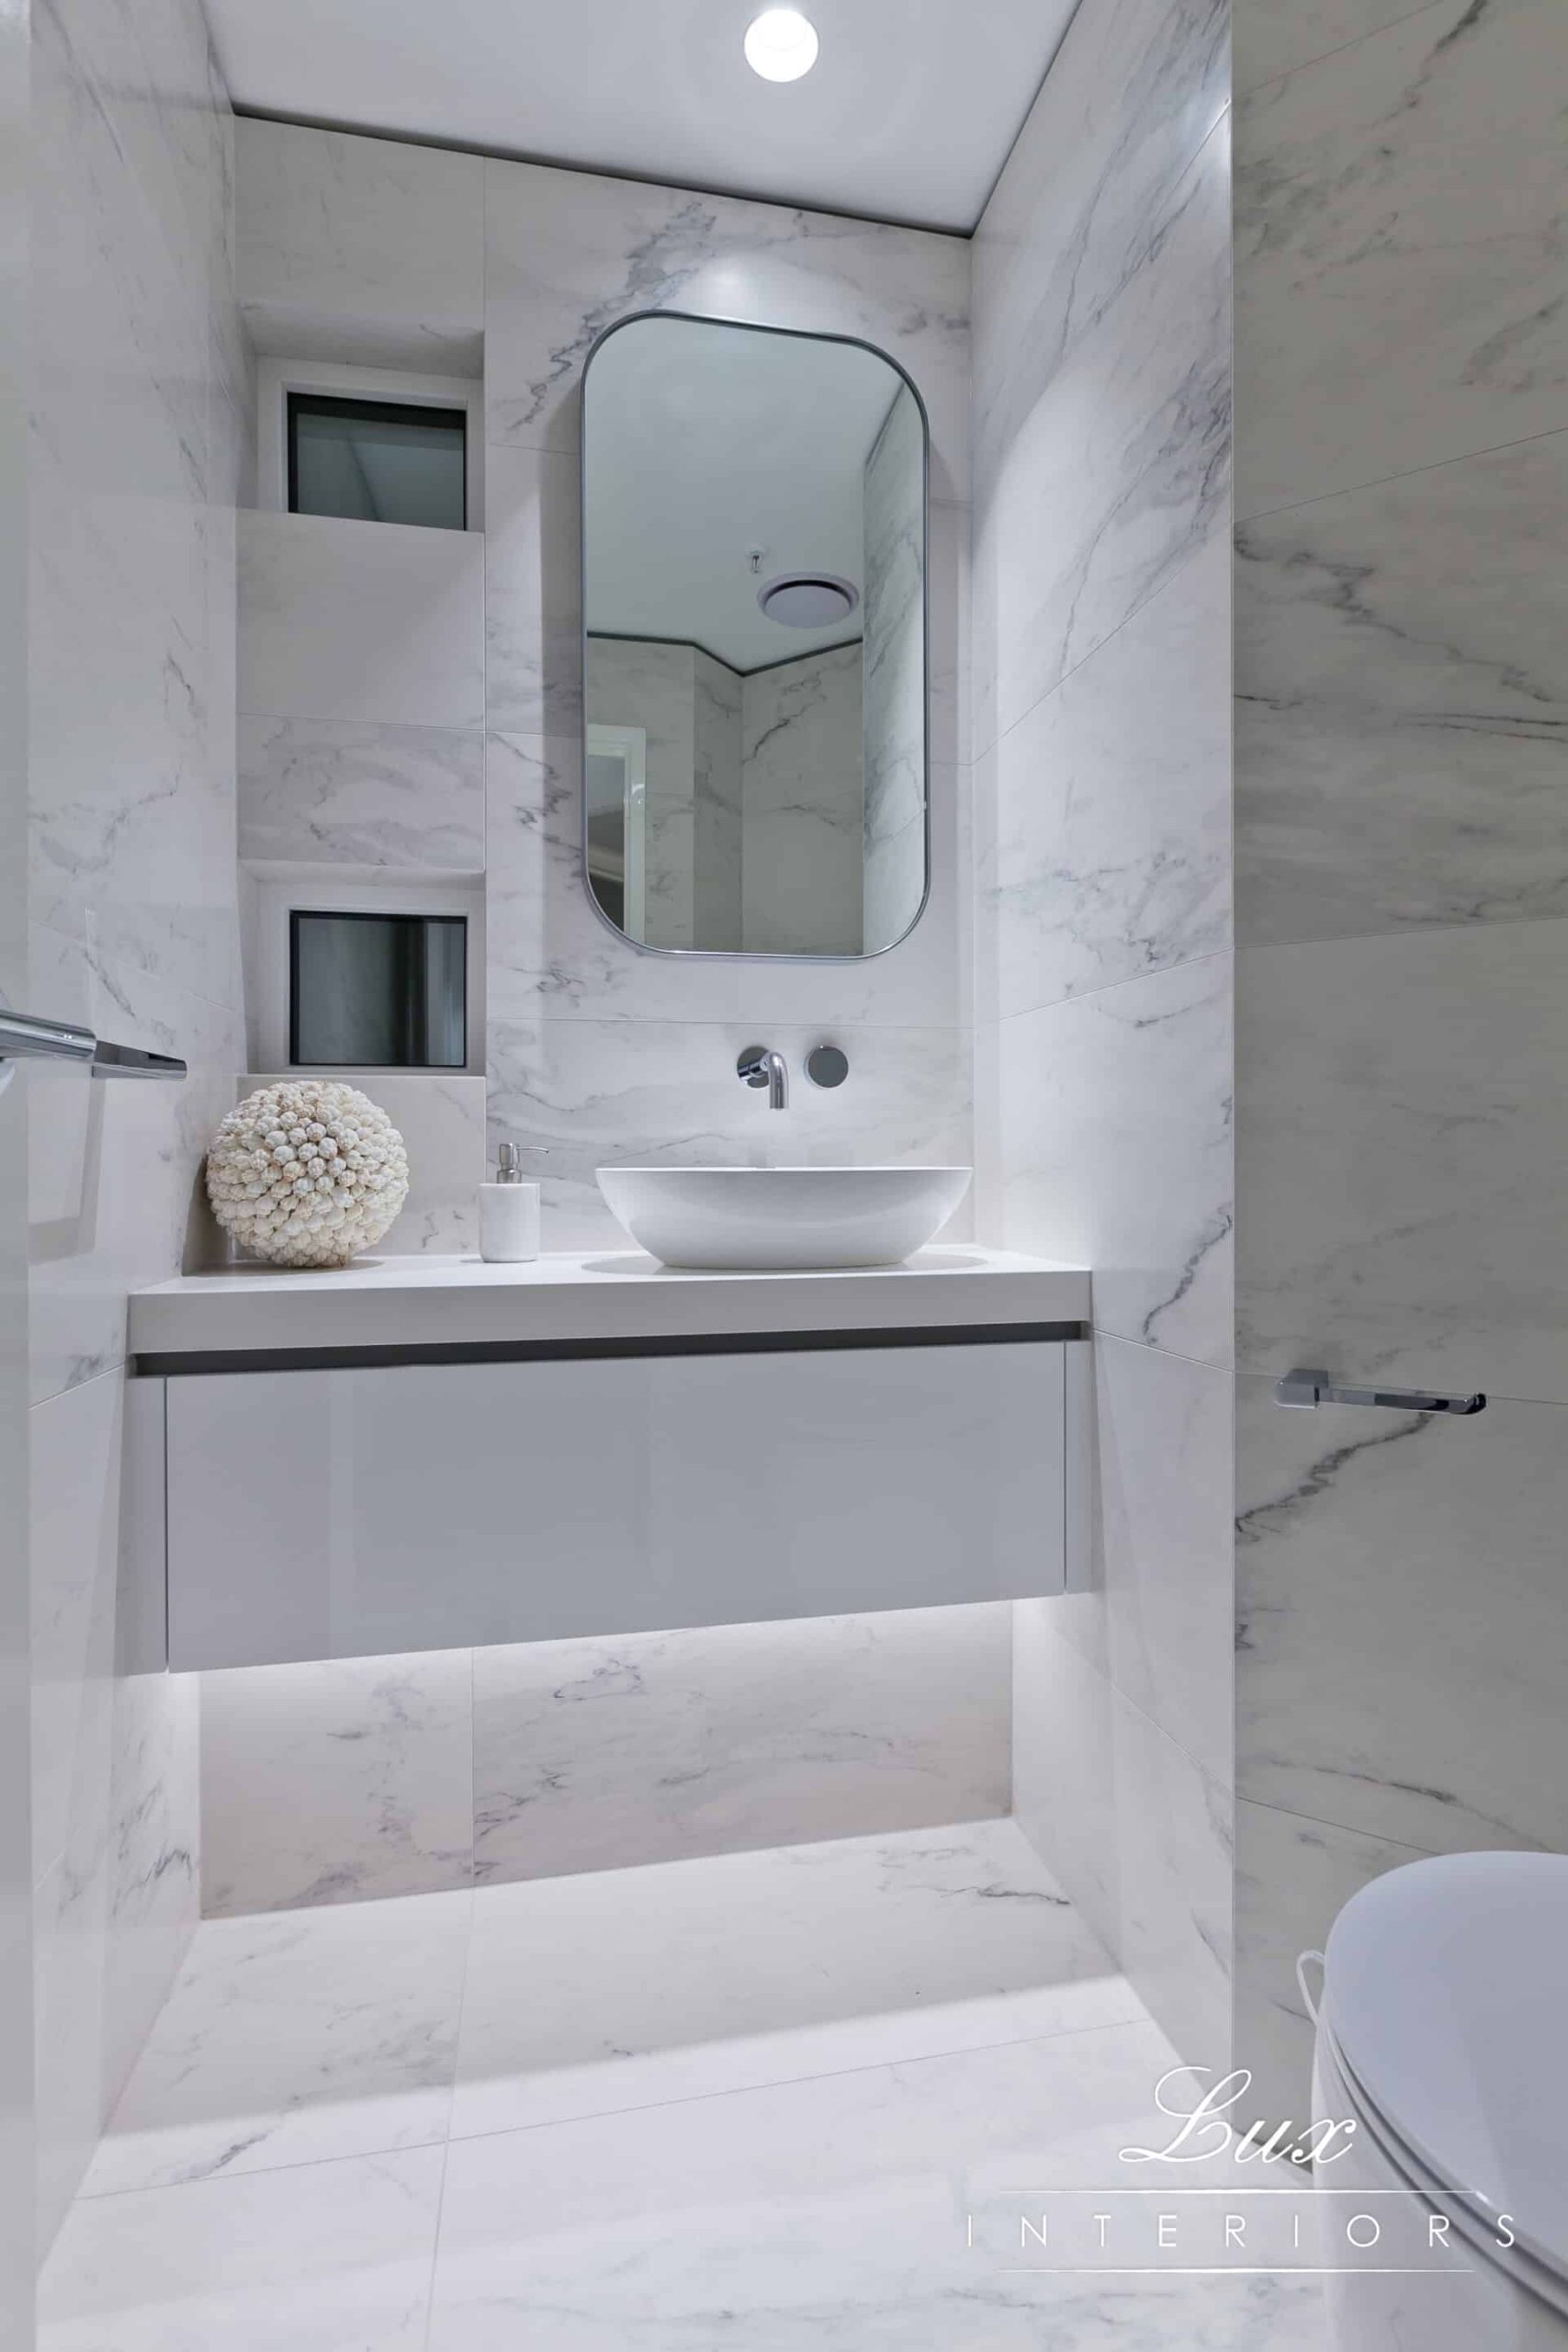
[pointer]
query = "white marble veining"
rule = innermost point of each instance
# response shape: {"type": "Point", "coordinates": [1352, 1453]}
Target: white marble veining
{"type": "Point", "coordinates": [136, 377]}
{"type": "Point", "coordinates": [1292, 1876]}
{"type": "Point", "coordinates": [1271, 37]}
{"type": "Point", "coordinates": [1401, 206]}
{"type": "Point", "coordinates": [895, 662]}
{"type": "Point", "coordinates": [381, 622]}
{"type": "Point", "coordinates": [1399, 1099]}
{"type": "Point", "coordinates": [717, 832]}
{"type": "Point", "coordinates": [647, 1091]}
{"type": "Point", "coordinates": [295, 2037]}
{"type": "Point", "coordinates": [329, 1783]}
{"type": "Point", "coordinates": [319, 2257]}
{"type": "Point", "coordinates": [1145, 1843]}
{"type": "Point", "coordinates": [1097, 1094]}
{"type": "Point", "coordinates": [1402, 732]}
{"type": "Point", "coordinates": [1119, 464]}
{"type": "Point", "coordinates": [362, 249]}
{"type": "Point", "coordinates": [1160, 1619]}
{"type": "Point", "coordinates": [441, 1118]}
{"type": "Point", "coordinates": [773, 2188]}
{"type": "Point", "coordinates": [660, 1747]}
{"type": "Point", "coordinates": [768, 1967]}
{"type": "Point", "coordinates": [1109, 807]}
{"type": "Point", "coordinates": [567, 253]}
{"type": "Point", "coordinates": [532, 592]}
{"type": "Point", "coordinates": [802, 802]}
{"type": "Point", "coordinates": [1401, 1651]}
{"type": "Point", "coordinates": [347, 793]}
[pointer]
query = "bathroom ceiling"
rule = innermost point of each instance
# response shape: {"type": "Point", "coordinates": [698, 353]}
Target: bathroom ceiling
{"type": "Point", "coordinates": [908, 115]}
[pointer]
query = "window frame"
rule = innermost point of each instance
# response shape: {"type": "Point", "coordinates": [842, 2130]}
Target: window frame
{"type": "Point", "coordinates": [297, 915]}
{"type": "Point", "coordinates": [298, 402]}
{"type": "Point", "coordinates": [389, 387]}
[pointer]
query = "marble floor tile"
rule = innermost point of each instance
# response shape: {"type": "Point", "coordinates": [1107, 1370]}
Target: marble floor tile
{"type": "Point", "coordinates": [290, 2037]}
{"type": "Point", "coordinates": [765, 1967]}
{"type": "Point", "coordinates": [830, 2216]}
{"type": "Point", "coordinates": [1400, 208]}
{"type": "Point", "coordinates": [1402, 685]}
{"type": "Point", "coordinates": [330, 2257]}
{"type": "Point", "coordinates": [651, 1747]}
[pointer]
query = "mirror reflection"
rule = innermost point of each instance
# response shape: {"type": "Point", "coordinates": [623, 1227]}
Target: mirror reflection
{"type": "Point", "coordinates": [754, 550]}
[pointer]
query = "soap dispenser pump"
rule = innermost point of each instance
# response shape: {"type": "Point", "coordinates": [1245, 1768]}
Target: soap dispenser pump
{"type": "Point", "coordinates": [509, 1213]}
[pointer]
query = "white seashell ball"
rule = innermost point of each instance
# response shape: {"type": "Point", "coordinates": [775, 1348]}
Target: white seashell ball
{"type": "Point", "coordinates": [307, 1173]}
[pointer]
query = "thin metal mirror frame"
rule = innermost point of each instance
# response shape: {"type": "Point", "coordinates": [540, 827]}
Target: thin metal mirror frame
{"type": "Point", "coordinates": [793, 335]}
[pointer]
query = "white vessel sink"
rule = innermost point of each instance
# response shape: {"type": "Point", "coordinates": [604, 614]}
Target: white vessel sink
{"type": "Point", "coordinates": [761, 1219]}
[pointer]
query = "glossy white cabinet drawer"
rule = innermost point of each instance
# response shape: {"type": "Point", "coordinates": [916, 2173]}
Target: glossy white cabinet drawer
{"type": "Point", "coordinates": [352, 1512]}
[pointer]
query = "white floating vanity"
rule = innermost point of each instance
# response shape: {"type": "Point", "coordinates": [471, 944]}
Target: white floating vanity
{"type": "Point", "coordinates": [424, 1454]}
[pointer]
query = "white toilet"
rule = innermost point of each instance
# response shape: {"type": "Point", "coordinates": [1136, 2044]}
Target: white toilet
{"type": "Point", "coordinates": [1442, 2033]}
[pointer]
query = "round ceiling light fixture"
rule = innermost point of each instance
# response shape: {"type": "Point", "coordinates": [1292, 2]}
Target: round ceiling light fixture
{"type": "Point", "coordinates": [808, 599]}
{"type": "Point", "coordinates": [781, 45]}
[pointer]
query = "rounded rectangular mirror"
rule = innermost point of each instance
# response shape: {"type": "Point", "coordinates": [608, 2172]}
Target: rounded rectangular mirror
{"type": "Point", "coordinates": [754, 657]}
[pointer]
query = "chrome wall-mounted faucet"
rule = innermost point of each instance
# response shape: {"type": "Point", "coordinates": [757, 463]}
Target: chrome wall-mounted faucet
{"type": "Point", "coordinates": [760, 1066]}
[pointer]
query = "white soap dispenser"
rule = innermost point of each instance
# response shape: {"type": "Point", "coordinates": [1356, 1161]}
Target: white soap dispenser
{"type": "Point", "coordinates": [509, 1213]}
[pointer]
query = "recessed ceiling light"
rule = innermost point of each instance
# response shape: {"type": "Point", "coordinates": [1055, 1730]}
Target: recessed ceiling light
{"type": "Point", "coordinates": [781, 45]}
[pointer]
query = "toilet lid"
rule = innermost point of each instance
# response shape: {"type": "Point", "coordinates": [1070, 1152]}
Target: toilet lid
{"type": "Point", "coordinates": [1446, 1988]}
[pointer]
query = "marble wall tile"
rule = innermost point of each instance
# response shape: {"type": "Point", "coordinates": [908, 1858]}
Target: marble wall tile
{"type": "Point", "coordinates": [1097, 1094]}
{"type": "Point", "coordinates": [153, 1896]}
{"type": "Point", "coordinates": [1112, 805]}
{"type": "Point", "coordinates": [73, 1444]}
{"type": "Point", "coordinates": [114, 1179]}
{"type": "Point", "coordinates": [551, 955]}
{"type": "Point", "coordinates": [599, 1755]}
{"type": "Point", "coordinates": [1400, 214]}
{"type": "Point", "coordinates": [1120, 466]}
{"type": "Point", "coordinates": [532, 592]}
{"type": "Point", "coordinates": [364, 621]}
{"type": "Point", "coordinates": [1271, 37]}
{"type": "Point", "coordinates": [717, 826]}
{"type": "Point", "coordinates": [1138, 1834]}
{"type": "Point", "coordinates": [569, 253]}
{"type": "Point", "coordinates": [338, 793]}
{"type": "Point", "coordinates": [332, 1782]}
{"type": "Point", "coordinates": [589, 1092]}
{"type": "Point", "coordinates": [1399, 1099]}
{"type": "Point", "coordinates": [441, 1118]}
{"type": "Point", "coordinates": [1403, 702]}
{"type": "Point", "coordinates": [1135, 89]}
{"type": "Point", "coordinates": [804, 808]}
{"type": "Point", "coordinates": [360, 248]}
{"type": "Point", "coordinates": [1402, 1650]}
{"type": "Point", "coordinates": [132, 889]}
{"type": "Point", "coordinates": [1293, 1878]}
{"type": "Point", "coordinates": [894, 664]}
{"type": "Point", "coordinates": [652, 686]}
{"type": "Point", "coordinates": [1160, 1621]}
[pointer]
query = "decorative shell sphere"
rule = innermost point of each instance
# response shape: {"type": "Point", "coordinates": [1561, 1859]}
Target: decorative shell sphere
{"type": "Point", "coordinates": [307, 1173]}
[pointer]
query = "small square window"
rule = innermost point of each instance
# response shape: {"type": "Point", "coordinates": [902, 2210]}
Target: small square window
{"type": "Point", "coordinates": [378, 461]}
{"type": "Point", "coordinates": [374, 991]}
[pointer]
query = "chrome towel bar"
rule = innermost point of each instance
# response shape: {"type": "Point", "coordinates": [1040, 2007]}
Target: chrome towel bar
{"type": "Point", "coordinates": [23, 1038]}
{"type": "Point", "coordinates": [1310, 1388]}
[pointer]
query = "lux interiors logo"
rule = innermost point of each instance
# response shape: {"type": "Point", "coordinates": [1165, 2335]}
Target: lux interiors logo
{"type": "Point", "coordinates": [1217, 2197]}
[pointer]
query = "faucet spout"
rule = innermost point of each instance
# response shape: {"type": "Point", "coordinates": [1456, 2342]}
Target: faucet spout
{"type": "Point", "coordinates": [760, 1066]}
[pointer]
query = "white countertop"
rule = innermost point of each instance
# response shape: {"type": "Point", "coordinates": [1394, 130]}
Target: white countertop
{"type": "Point", "coordinates": [605, 1295]}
